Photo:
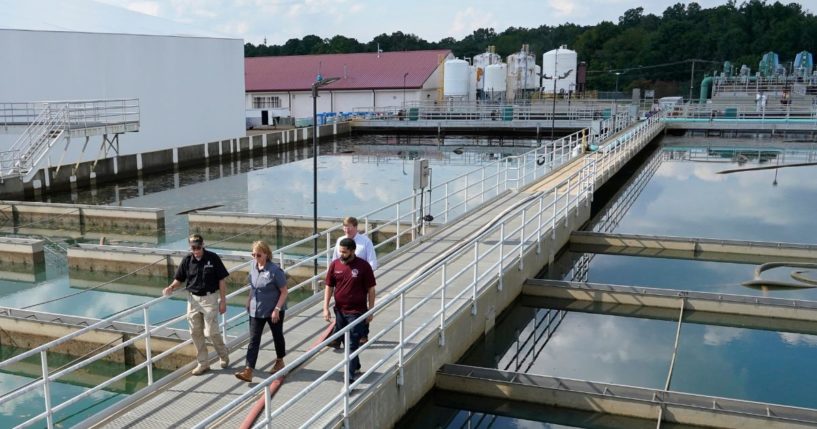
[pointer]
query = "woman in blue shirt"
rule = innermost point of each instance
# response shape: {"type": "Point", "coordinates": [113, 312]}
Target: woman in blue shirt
{"type": "Point", "coordinates": [266, 306]}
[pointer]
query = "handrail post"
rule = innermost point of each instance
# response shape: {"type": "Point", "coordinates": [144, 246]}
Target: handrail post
{"type": "Point", "coordinates": [466, 195]}
{"type": "Point", "coordinates": [346, 366]}
{"type": "Point", "coordinates": [148, 350]}
{"type": "Point", "coordinates": [49, 415]}
{"type": "Point", "coordinates": [267, 406]}
{"type": "Point", "coordinates": [522, 241]}
{"type": "Point", "coordinates": [482, 186]}
{"type": "Point", "coordinates": [500, 269]}
{"type": "Point", "coordinates": [329, 253]}
{"type": "Point", "coordinates": [402, 333]}
{"type": "Point", "coordinates": [476, 277]}
{"type": "Point", "coordinates": [539, 226]}
{"type": "Point", "coordinates": [445, 216]}
{"type": "Point", "coordinates": [397, 225]}
{"type": "Point", "coordinates": [442, 306]}
{"type": "Point", "coordinates": [224, 327]}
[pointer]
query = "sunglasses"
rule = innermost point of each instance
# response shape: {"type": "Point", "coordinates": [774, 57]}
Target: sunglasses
{"type": "Point", "coordinates": [194, 247]}
{"type": "Point", "coordinates": [256, 255]}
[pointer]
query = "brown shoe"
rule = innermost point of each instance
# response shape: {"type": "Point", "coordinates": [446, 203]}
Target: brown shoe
{"type": "Point", "coordinates": [279, 365]}
{"type": "Point", "coordinates": [245, 375]}
{"type": "Point", "coordinates": [363, 340]}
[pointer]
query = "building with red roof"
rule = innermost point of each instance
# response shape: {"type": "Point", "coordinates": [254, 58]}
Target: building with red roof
{"type": "Point", "coordinates": [281, 86]}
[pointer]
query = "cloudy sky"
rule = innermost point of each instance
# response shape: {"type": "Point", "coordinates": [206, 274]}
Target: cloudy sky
{"type": "Point", "coordinates": [280, 20]}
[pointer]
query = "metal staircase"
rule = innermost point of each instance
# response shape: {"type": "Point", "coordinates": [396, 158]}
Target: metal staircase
{"type": "Point", "coordinates": [43, 125]}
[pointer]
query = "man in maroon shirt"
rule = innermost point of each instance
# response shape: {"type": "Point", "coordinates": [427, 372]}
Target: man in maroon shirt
{"type": "Point", "coordinates": [351, 281]}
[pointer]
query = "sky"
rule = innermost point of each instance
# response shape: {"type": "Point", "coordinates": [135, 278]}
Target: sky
{"type": "Point", "coordinates": [281, 20]}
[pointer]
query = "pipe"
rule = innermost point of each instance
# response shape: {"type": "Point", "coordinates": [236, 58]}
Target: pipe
{"type": "Point", "coordinates": [258, 407]}
{"type": "Point", "coordinates": [804, 282]}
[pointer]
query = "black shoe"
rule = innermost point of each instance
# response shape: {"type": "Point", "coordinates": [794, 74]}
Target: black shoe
{"type": "Point", "coordinates": [337, 345]}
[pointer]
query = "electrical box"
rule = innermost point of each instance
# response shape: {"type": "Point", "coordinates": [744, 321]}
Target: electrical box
{"type": "Point", "coordinates": [421, 173]}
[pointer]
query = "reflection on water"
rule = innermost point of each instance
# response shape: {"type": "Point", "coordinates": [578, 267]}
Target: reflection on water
{"type": "Point", "coordinates": [677, 191]}
{"type": "Point", "coordinates": [454, 411]}
{"type": "Point", "coordinates": [594, 347]}
{"type": "Point", "coordinates": [356, 174]}
{"type": "Point", "coordinates": [763, 366]}
{"type": "Point", "coordinates": [29, 405]}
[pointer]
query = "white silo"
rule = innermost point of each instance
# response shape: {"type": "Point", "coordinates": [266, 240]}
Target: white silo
{"type": "Point", "coordinates": [559, 64]}
{"type": "Point", "coordinates": [521, 71]}
{"type": "Point", "coordinates": [535, 82]}
{"type": "Point", "coordinates": [495, 81]}
{"type": "Point", "coordinates": [482, 61]}
{"type": "Point", "coordinates": [455, 82]}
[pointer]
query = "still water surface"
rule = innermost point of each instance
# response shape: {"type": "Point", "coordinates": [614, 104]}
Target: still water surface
{"type": "Point", "coordinates": [676, 192]}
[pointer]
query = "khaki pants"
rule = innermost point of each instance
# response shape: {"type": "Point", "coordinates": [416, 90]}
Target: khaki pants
{"type": "Point", "coordinates": [202, 314]}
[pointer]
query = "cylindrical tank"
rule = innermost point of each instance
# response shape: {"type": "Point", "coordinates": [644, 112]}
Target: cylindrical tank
{"type": "Point", "coordinates": [495, 75]}
{"type": "Point", "coordinates": [482, 61]}
{"type": "Point", "coordinates": [455, 82]}
{"type": "Point", "coordinates": [534, 82]}
{"type": "Point", "coordinates": [521, 71]}
{"type": "Point", "coordinates": [559, 64]}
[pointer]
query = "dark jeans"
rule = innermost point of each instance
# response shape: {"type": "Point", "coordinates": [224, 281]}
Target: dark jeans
{"type": "Point", "coordinates": [341, 321]}
{"type": "Point", "coordinates": [256, 329]}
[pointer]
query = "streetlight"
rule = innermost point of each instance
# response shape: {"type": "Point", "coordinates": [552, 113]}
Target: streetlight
{"type": "Point", "coordinates": [617, 75]}
{"type": "Point", "coordinates": [404, 90]}
{"type": "Point", "coordinates": [319, 82]}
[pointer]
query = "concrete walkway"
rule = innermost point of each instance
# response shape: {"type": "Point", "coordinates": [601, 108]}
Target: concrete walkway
{"type": "Point", "coordinates": [188, 400]}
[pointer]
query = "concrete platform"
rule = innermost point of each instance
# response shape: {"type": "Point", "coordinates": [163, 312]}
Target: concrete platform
{"type": "Point", "coordinates": [629, 401]}
{"type": "Point", "coordinates": [702, 249]}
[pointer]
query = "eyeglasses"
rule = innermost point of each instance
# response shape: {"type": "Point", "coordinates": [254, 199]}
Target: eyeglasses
{"type": "Point", "coordinates": [194, 247]}
{"type": "Point", "coordinates": [256, 255]}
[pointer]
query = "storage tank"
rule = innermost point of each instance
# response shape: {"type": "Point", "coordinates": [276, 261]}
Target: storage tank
{"type": "Point", "coordinates": [559, 64]}
{"type": "Point", "coordinates": [535, 81]}
{"type": "Point", "coordinates": [482, 61]}
{"type": "Point", "coordinates": [495, 75]}
{"type": "Point", "coordinates": [455, 82]}
{"type": "Point", "coordinates": [521, 71]}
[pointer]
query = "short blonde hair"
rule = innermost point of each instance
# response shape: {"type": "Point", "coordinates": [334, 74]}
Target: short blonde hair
{"type": "Point", "coordinates": [350, 220]}
{"type": "Point", "coordinates": [262, 246]}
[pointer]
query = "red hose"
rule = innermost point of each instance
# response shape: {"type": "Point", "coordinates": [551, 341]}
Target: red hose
{"type": "Point", "coordinates": [275, 385]}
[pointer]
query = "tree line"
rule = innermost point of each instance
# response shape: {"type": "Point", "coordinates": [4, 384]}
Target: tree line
{"type": "Point", "coordinates": [647, 51]}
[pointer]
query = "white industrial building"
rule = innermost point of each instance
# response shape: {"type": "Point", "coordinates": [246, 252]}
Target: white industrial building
{"type": "Point", "coordinates": [279, 87]}
{"type": "Point", "coordinates": [189, 83]}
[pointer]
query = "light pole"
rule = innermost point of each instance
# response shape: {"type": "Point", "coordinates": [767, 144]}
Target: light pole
{"type": "Point", "coordinates": [617, 75]}
{"type": "Point", "coordinates": [319, 82]}
{"type": "Point", "coordinates": [404, 90]}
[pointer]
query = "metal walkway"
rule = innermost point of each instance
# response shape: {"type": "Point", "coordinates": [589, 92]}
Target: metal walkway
{"type": "Point", "coordinates": [436, 296]}
{"type": "Point", "coordinates": [42, 125]}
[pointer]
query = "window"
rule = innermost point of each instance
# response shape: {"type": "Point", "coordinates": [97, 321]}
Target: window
{"type": "Point", "coordinates": [266, 102]}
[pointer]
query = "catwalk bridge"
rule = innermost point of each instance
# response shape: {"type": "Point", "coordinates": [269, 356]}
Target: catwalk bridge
{"type": "Point", "coordinates": [438, 292]}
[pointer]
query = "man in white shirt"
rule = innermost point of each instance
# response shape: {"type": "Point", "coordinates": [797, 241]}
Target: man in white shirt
{"type": "Point", "coordinates": [364, 249]}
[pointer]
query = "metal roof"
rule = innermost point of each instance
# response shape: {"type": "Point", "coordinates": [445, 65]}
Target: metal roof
{"type": "Point", "coordinates": [359, 71]}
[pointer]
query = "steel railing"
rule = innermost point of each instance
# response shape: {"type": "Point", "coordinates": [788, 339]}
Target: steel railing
{"type": "Point", "coordinates": [526, 225]}
{"type": "Point", "coordinates": [47, 122]}
{"type": "Point", "coordinates": [460, 195]}
{"type": "Point", "coordinates": [494, 178]}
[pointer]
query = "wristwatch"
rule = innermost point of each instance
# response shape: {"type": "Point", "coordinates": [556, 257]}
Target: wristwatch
{"type": "Point", "coordinates": [278, 308]}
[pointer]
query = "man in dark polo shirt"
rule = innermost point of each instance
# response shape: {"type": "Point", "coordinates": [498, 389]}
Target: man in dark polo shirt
{"type": "Point", "coordinates": [204, 276]}
{"type": "Point", "coordinates": [351, 281]}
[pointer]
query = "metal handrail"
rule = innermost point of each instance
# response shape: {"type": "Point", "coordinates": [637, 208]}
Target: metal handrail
{"type": "Point", "coordinates": [519, 178]}
{"type": "Point", "coordinates": [580, 183]}
{"type": "Point", "coordinates": [582, 195]}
